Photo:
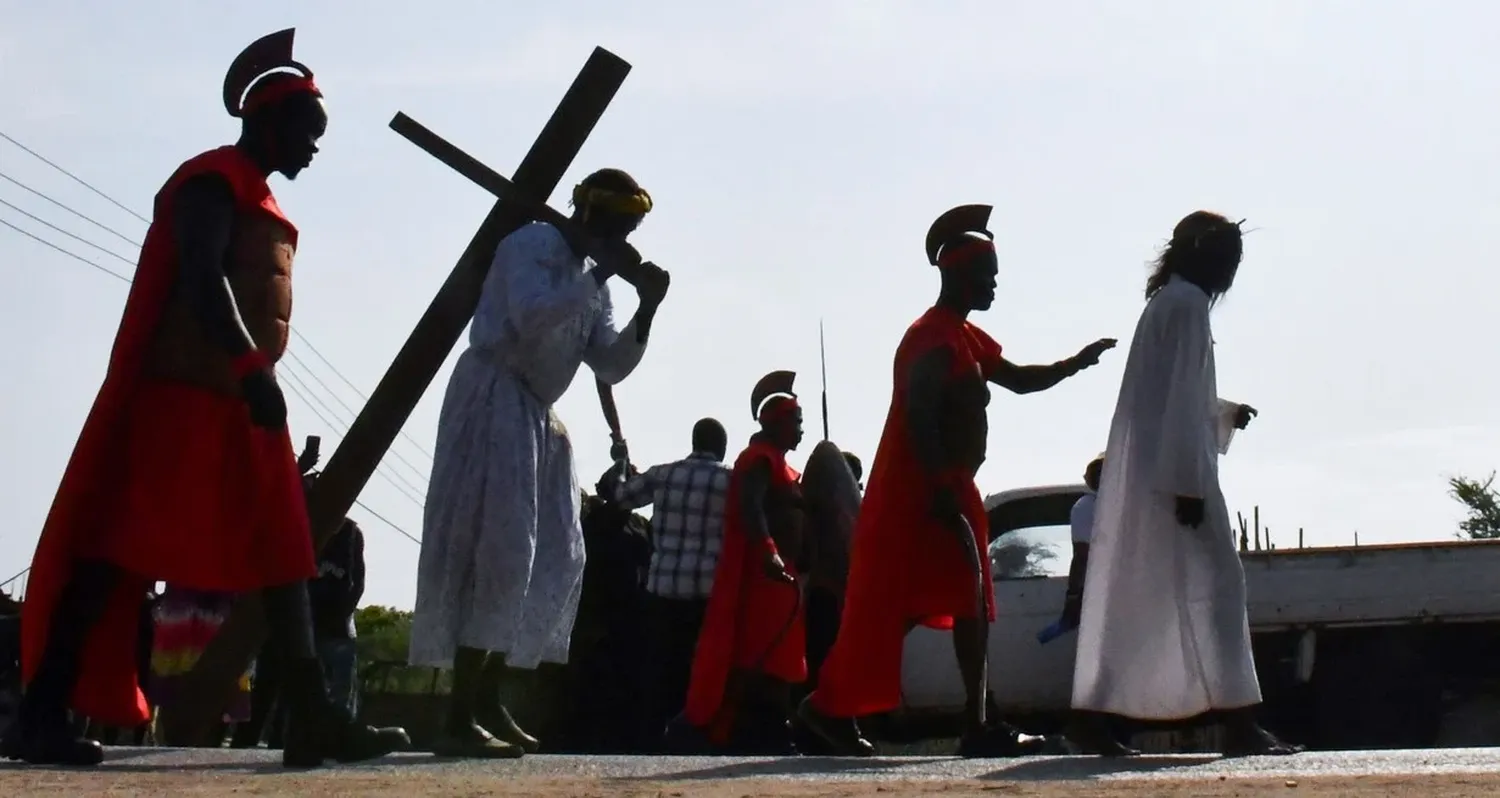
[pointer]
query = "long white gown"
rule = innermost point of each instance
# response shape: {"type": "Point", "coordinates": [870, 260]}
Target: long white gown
{"type": "Point", "coordinates": [502, 557]}
{"type": "Point", "coordinates": [1164, 633]}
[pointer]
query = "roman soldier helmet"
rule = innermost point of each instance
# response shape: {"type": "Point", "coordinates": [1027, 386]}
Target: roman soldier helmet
{"type": "Point", "coordinates": [269, 53]}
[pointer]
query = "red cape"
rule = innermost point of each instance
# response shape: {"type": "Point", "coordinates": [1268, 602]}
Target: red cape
{"type": "Point", "coordinates": [751, 622]}
{"type": "Point", "coordinates": [105, 476]}
{"type": "Point", "coordinates": [904, 567]}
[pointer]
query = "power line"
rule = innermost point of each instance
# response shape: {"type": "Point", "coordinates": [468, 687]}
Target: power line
{"type": "Point", "coordinates": [301, 382]}
{"type": "Point", "coordinates": [387, 522]}
{"type": "Point", "coordinates": [353, 387]}
{"type": "Point", "coordinates": [295, 391]}
{"type": "Point", "coordinates": [347, 409]}
{"type": "Point", "coordinates": [127, 280]}
{"type": "Point", "coordinates": [305, 401]}
{"type": "Point", "coordinates": [298, 333]}
{"type": "Point", "coordinates": [80, 181]}
{"type": "Point", "coordinates": [80, 239]}
{"type": "Point", "coordinates": [102, 226]}
{"type": "Point", "coordinates": [393, 453]}
{"type": "Point", "coordinates": [73, 255]}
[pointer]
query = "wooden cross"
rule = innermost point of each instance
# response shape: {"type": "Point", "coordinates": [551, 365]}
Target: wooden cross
{"type": "Point", "coordinates": [206, 690]}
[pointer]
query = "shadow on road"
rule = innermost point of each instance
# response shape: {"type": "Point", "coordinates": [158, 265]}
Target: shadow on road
{"type": "Point", "coordinates": [791, 766]}
{"type": "Point", "coordinates": [1054, 768]}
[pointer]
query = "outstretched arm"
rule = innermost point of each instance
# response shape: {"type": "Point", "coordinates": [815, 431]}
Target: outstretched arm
{"type": "Point", "coordinates": [202, 223]}
{"type": "Point", "coordinates": [1030, 379]}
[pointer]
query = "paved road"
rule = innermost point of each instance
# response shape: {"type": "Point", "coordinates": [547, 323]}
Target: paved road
{"type": "Point", "coordinates": [1057, 768]}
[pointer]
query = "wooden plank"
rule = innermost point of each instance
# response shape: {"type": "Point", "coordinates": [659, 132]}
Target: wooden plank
{"type": "Point", "coordinates": [210, 685]}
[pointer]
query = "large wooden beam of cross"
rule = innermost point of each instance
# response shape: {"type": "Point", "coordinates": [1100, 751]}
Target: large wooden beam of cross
{"type": "Point", "coordinates": [210, 685]}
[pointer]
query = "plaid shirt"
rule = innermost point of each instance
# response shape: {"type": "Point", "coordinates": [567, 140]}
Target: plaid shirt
{"type": "Point", "coordinates": [687, 526]}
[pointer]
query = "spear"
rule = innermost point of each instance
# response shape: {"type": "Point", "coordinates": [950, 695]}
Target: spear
{"type": "Point", "coordinates": [823, 356]}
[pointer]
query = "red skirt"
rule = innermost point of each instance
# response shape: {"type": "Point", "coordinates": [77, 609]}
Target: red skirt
{"type": "Point", "coordinates": [208, 500]}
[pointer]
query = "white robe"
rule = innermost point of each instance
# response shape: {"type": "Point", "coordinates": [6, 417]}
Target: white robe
{"type": "Point", "coordinates": [1164, 633]}
{"type": "Point", "coordinates": [502, 557]}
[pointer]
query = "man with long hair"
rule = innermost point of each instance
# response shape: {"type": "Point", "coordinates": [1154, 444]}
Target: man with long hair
{"type": "Point", "coordinates": [1163, 629]}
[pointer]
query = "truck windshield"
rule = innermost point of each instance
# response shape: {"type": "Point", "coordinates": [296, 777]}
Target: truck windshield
{"type": "Point", "coordinates": [1031, 536]}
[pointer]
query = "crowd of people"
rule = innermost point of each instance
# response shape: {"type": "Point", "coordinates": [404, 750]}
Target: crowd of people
{"type": "Point", "coordinates": [185, 473]}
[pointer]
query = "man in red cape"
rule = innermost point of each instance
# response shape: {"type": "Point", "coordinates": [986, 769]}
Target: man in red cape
{"type": "Point", "coordinates": [753, 644]}
{"type": "Point", "coordinates": [921, 542]}
{"type": "Point", "coordinates": [185, 471]}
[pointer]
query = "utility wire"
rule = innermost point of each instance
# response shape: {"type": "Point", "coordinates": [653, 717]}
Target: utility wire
{"type": "Point", "coordinates": [296, 332]}
{"type": "Point", "coordinates": [293, 389]}
{"type": "Point", "coordinates": [80, 181]}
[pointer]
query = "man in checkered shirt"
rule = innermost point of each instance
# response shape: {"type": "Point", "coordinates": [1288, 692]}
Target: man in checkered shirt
{"type": "Point", "coordinates": [687, 528]}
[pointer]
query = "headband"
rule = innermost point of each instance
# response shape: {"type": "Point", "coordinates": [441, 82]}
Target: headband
{"type": "Point", "coordinates": [637, 203]}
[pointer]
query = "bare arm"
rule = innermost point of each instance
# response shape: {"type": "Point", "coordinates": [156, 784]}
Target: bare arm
{"type": "Point", "coordinates": [202, 224]}
{"type": "Point", "coordinates": [924, 410]}
{"type": "Point", "coordinates": [1030, 379]}
{"type": "Point", "coordinates": [752, 509]}
{"type": "Point", "coordinates": [924, 414]}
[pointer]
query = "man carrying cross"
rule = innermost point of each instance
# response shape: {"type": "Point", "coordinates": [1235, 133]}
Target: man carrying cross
{"type": "Point", "coordinates": [185, 471]}
{"type": "Point", "coordinates": [502, 550]}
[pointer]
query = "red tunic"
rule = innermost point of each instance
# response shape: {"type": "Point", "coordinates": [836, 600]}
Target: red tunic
{"type": "Point", "coordinates": [905, 567]}
{"type": "Point", "coordinates": [752, 622]}
{"type": "Point", "coordinates": [169, 480]}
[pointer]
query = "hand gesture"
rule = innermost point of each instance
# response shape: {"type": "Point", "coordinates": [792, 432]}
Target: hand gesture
{"type": "Point", "coordinates": [1190, 511]}
{"type": "Point", "coordinates": [619, 451]}
{"type": "Point", "coordinates": [650, 281]}
{"type": "Point", "coordinates": [776, 569]}
{"type": "Point", "coordinates": [264, 399]}
{"type": "Point", "coordinates": [1242, 416]}
{"type": "Point", "coordinates": [1089, 355]}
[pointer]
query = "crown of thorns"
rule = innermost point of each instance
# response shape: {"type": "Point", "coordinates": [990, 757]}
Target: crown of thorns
{"type": "Point", "coordinates": [1212, 230]}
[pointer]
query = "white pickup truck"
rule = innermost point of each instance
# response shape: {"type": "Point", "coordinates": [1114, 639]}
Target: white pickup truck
{"type": "Point", "coordinates": [1356, 647]}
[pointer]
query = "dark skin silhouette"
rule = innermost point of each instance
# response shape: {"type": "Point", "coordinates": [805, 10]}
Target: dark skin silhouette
{"type": "Point", "coordinates": [280, 136]}
{"type": "Point", "coordinates": [768, 515]}
{"type": "Point", "coordinates": [479, 725]}
{"type": "Point", "coordinates": [947, 419]}
{"type": "Point", "coordinates": [785, 434]}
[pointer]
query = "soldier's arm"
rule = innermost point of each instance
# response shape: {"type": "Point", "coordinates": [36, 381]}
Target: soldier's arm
{"type": "Point", "coordinates": [924, 410]}
{"type": "Point", "coordinates": [202, 224]}
{"type": "Point", "coordinates": [1030, 379]}
{"type": "Point", "coordinates": [752, 509]}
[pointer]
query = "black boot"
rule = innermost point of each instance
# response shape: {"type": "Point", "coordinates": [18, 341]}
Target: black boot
{"type": "Point", "coordinates": [494, 715]}
{"type": "Point", "coordinates": [43, 733]}
{"type": "Point", "coordinates": [317, 729]}
{"type": "Point", "coordinates": [463, 737]}
{"type": "Point", "coordinates": [841, 734]}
